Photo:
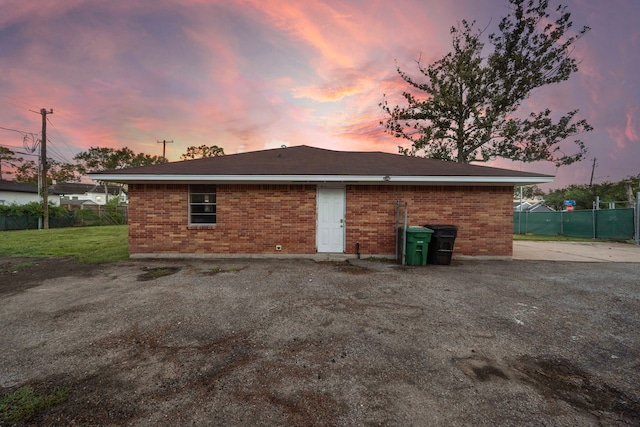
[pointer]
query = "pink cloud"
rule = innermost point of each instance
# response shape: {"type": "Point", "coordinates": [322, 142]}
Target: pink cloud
{"type": "Point", "coordinates": [318, 25]}
{"type": "Point", "coordinates": [622, 135]}
{"type": "Point", "coordinates": [631, 131]}
{"type": "Point", "coordinates": [327, 93]}
{"type": "Point", "coordinates": [249, 74]}
{"type": "Point", "coordinates": [617, 135]}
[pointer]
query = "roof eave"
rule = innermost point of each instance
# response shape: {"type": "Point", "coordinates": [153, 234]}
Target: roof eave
{"type": "Point", "coordinates": [316, 179]}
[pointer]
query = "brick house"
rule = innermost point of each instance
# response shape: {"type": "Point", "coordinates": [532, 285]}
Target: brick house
{"type": "Point", "coordinates": [306, 201]}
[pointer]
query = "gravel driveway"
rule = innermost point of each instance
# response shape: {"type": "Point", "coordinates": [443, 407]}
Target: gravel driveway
{"type": "Point", "coordinates": [297, 342]}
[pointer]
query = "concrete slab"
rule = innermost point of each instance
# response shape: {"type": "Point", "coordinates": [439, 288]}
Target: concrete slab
{"type": "Point", "coordinates": [576, 251]}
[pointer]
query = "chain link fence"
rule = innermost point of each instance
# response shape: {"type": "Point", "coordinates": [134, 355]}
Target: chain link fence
{"type": "Point", "coordinates": [617, 224]}
{"type": "Point", "coordinates": [98, 215]}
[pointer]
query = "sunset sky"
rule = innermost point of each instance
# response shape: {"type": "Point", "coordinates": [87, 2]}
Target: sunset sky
{"type": "Point", "coordinates": [254, 74]}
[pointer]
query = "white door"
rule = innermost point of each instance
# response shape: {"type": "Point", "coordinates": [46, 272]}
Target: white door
{"type": "Point", "coordinates": [331, 226]}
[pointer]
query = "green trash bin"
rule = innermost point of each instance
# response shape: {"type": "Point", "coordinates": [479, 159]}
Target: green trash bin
{"type": "Point", "coordinates": [417, 245]}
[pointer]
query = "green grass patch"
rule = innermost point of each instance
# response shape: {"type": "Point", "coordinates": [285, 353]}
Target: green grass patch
{"type": "Point", "coordinates": [379, 259]}
{"type": "Point", "coordinates": [17, 266]}
{"type": "Point", "coordinates": [214, 270]}
{"type": "Point", "coordinates": [218, 269]}
{"type": "Point", "coordinates": [536, 237]}
{"type": "Point", "coordinates": [25, 402]}
{"type": "Point", "coordinates": [87, 244]}
{"type": "Point", "coordinates": [23, 264]}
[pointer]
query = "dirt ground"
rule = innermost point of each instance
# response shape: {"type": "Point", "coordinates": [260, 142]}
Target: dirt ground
{"type": "Point", "coordinates": [298, 342]}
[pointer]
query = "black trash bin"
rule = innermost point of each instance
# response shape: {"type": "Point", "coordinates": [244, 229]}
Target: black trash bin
{"type": "Point", "coordinates": [441, 244]}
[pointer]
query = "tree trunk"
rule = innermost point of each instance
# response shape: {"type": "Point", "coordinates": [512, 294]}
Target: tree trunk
{"type": "Point", "coordinates": [631, 200]}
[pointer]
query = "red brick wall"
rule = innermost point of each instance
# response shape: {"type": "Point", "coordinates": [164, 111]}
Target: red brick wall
{"type": "Point", "coordinates": [253, 219]}
{"type": "Point", "coordinates": [483, 215]}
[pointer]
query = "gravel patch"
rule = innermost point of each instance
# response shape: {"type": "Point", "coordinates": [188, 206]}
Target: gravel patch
{"type": "Point", "coordinates": [298, 342]}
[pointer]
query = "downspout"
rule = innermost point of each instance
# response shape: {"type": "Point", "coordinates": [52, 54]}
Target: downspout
{"type": "Point", "coordinates": [397, 212]}
{"type": "Point", "coordinates": [404, 238]}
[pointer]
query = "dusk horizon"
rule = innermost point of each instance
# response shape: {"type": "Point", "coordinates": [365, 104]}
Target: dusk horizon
{"type": "Point", "coordinates": [248, 75]}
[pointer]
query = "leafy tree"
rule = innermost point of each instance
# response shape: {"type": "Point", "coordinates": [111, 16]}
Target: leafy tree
{"type": "Point", "coordinates": [97, 158]}
{"type": "Point", "coordinates": [8, 157]}
{"type": "Point", "coordinates": [27, 172]}
{"type": "Point", "coordinates": [585, 195]}
{"type": "Point", "coordinates": [202, 151]}
{"type": "Point", "coordinates": [102, 158]}
{"type": "Point", "coordinates": [473, 93]}
{"type": "Point", "coordinates": [582, 194]}
{"type": "Point", "coordinates": [528, 192]}
{"type": "Point", "coordinates": [57, 171]}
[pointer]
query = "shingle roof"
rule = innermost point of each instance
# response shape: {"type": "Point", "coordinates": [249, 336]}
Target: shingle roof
{"type": "Point", "coordinates": [80, 188]}
{"type": "Point", "coordinates": [17, 187]}
{"type": "Point", "coordinates": [23, 187]}
{"type": "Point", "coordinates": [308, 162]}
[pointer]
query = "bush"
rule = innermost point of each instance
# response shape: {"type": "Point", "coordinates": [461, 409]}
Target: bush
{"type": "Point", "coordinates": [23, 217]}
{"type": "Point", "coordinates": [32, 209]}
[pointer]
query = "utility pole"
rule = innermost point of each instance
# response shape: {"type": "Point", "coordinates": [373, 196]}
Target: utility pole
{"type": "Point", "coordinates": [593, 168]}
{"type": "Point", "coordinates": [44, 167]}
{"type": "Point", "coordinates": [164, 147]}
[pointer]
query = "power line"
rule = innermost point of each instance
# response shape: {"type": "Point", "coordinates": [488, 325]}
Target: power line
{"type": "Point", "coordinates": [63, 140]}
{"type": "Point", "coordinates": [19, 131]}
{"type": "Point", "coordinates": [25, 134]}
{"type": "Point", "coordinates": [18, 152]}
{"type": "Point", "coordinates": [66, 117]}
{"type": "Point", "coordinates": [26, 138]}
{"type": "Point", "coordinates": [54, 153]}
{"type": "Point", "coordinates": [15, 103]}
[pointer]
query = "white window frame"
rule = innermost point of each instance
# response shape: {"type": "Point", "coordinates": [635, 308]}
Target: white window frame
{"type": "Point", "coordinates": [205, 190]}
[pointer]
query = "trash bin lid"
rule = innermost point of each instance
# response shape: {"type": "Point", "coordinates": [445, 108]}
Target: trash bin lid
{"type": "Point", "coordinates": [419, 229]}
{"type": "Point", "coordinates": [441, 227]}
{"type": "Point", "coordinates": [443, 230]}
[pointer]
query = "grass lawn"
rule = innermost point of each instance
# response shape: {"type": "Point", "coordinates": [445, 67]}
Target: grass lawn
{"type": "Point", "coordinates": [109, 243]}
{"type": "Point", "coordinates": [550, 238]}
{"type": "Point", "coordinates": [536, 237]}
{"type": "Point", "coordinates": [88, 244]}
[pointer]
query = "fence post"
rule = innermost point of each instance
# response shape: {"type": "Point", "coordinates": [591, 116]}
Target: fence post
{"type": "Point", "coordinates": [637, 221]}
{"type": "Point", "coordinates": [594, 215]}
{"type": "Point", "coordinates": [520, 214]}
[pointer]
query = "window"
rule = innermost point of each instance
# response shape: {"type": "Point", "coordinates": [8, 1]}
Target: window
{"type": "Point", "coordinates": [202, 204]}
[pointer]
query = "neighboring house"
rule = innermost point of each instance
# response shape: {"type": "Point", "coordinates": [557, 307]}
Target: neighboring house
{"type": "Point", "coordinates": [72, 204]}
{"type": "Point", "coordinates": [521, 207]}
{"type": "Point", "coordinates": [534, 206]}
{"type": "Point", "coordinates": [19, 193]}
{"type": "Point", "coordinates": [75, 194]}
{"type": "Point", "coordinates": [304, 200]}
